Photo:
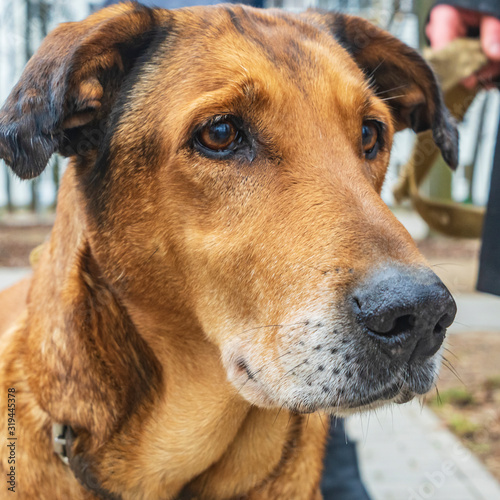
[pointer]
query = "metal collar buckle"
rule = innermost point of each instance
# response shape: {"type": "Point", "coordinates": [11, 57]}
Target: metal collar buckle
{"type": "Point", "coordinates": [59, 441]}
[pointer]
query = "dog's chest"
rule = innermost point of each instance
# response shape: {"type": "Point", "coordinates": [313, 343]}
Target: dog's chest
{"type": "Point", "coordinates": [262, 445]}
{"type": "Point", "coordinates": [208, 442]}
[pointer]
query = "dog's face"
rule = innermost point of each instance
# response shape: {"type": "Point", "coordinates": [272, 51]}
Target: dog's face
{"type": "Point", "coordinates": [235, 157]}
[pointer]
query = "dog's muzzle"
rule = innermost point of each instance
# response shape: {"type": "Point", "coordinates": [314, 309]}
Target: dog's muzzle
{"type": "Point", "coordinates": [377, 343]}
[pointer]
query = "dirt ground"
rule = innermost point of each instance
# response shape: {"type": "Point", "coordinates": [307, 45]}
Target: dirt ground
{"type": "Point", "coordinates": [17, 241]}
{"type": "Point", "coordinates": [468, 394]}
{"type": "Point", "coordinates": [469, 384]}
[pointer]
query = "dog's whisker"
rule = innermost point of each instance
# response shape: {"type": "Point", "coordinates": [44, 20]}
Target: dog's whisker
{"type": "Point", "coordinates": [421, 402]}
{"type": "Point", "coordinates": [372, 73]}
{"type": "Point", "coordinates": [294, 368]}
{"type": "Point", "coordinates": [391, 90]}
{"type": "Point", "coordinates": [278, 414]}
{"type": "Point", "coordinates": [269, 326]}
{"type": "Point", "coordinates": [322, 271]}
{"type": "Point", "coordinates": [152, 255]}
{"type": "Point", "coordinates": [392, 97]}
{"type": "Point", "coordinates": [453, 370]}
{"type": "Point", "coordinates": [462, 324]}
{"type": "Point", "coordinates": [438, 396]}
{"type": "Point", "coordinates": [321, 420]}
{"type": "Point", "coordinates": [268, 363]}
{"type": "Point", "coordinates": [441, 264]}
{"type": "Point", "coordinates": [239, 389]}
{"type": "Point", "coordinates": [450, 366]}
{"type": "Point", "coordinates": [451, 352]}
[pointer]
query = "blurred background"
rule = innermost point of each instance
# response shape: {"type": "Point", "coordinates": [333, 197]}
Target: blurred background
{"type": "Point", "coordinates": [403, 451]}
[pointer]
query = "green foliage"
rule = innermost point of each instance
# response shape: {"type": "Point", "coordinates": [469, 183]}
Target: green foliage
{"type": "Point", "coordinates": [456, 396]}
{"type": "Point", "coordinates": [492, 383]}
{"type": "Point", "coordinates": [462, 426]}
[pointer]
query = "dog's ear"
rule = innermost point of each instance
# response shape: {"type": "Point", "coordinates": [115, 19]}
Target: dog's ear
{"type": "Point", "coordinates": [400, 76]}
{"type": "Point", "coordinates": [70, 83]}
{"type": "Point", "coordinates": [88, 365]}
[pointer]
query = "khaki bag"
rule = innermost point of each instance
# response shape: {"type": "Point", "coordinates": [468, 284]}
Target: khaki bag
{"type": "Point", "coordinates": [459, 59]}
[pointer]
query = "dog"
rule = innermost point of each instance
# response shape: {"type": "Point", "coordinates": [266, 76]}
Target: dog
{"type": "Point", "coordinates": [222, 274]}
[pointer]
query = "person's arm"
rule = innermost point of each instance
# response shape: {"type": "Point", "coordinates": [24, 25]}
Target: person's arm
{"type": "Point", "coordinates": [450, 19]}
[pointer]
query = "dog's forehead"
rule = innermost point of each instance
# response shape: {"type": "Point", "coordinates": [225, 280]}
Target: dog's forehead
{"type": "Point", "coordinates": [230, 50]}
{"type": "Point", "coordinates": [225, 38]}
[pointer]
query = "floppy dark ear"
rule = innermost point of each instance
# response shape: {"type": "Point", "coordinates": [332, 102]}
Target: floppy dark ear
{"type": "Point", "coordinates": [400, 76]}
{"type": "Point", "coordinates": [70, 83]}
{"type": "Point", "coordinates": [98, 370]}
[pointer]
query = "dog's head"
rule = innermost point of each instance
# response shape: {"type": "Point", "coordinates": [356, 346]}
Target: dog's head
{"type": "Point", "coordinates": [230, 161]}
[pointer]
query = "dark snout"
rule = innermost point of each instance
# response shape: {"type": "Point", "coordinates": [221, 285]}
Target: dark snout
{"type": "Point", "coordinates": [407, 311]}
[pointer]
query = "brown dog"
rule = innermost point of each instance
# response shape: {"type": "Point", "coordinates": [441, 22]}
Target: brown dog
{"type": "Point", "coordinates": [222, 262]}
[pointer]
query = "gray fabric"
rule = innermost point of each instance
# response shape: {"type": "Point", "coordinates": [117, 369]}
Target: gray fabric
{"type": "Point", "coordinates": [177, 4]}
{"type": "Point", "coordinates": [489, 263]}
{"type": "Point", "coordinates": [341, 479]}
{"type": "Point", "coordinates": [486, 6]}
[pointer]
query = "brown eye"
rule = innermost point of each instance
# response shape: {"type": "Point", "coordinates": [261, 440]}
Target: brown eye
{"type": "Point", "coordinates": [218, 136]}
{"type": "Point", "coordinates": [370, 135]}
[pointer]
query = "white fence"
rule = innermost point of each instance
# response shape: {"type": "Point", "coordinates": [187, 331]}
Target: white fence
{"type": "Point", "coordinates": [24, 23]}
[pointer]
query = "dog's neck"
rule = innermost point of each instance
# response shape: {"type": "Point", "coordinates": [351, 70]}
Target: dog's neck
{"type": "Point", "coordinates": [167, 405]}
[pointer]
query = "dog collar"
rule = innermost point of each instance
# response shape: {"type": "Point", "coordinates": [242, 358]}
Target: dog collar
{"type": "Point", "coordinates": [63, 437]}
{"type": "Point", "coordinates": [59, 441]}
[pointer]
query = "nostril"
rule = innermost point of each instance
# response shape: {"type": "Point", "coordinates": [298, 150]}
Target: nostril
{"type": "Point", "coordinates": [402, 324]}
{"type": "Point", "coordinates": [447, 319]}
{"type": "Point", "coordinates": [439, 329]}
{"type": "Point", "coordinates": [444, 322]}
{"type": "Point", "coordinates": [386, 323]}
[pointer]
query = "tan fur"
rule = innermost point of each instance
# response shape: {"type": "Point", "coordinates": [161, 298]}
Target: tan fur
{"type": "Point", "coordinates": [166, 267]}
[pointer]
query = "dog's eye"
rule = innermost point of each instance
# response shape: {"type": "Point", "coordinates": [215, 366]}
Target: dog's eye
{"type": "Point", "coordinates": [224, 137]}
{"type": "Point", "coordinates": [218, 136]}
{"type": "Point", "coordinates": [370, 138]}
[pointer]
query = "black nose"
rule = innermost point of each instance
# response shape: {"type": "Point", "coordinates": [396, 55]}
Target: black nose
{"type": "Point", "coordinates": [405, 308]}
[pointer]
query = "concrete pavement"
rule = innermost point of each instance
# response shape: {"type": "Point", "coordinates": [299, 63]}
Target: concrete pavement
{"type": "Point", "coordinates": [476, 312]}
{"type": "Point", "coordinates": [10, 275]}
{"type": "Point", "coordinates": [406, 453]}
